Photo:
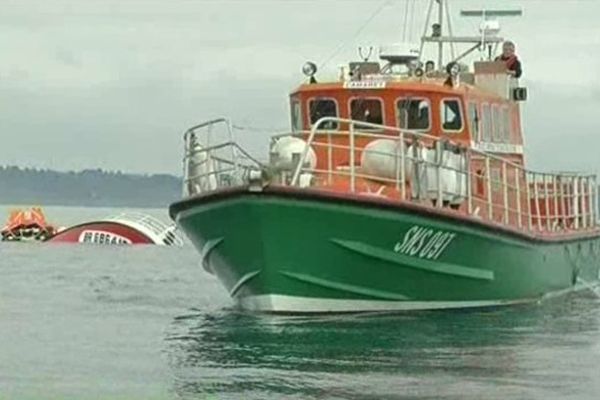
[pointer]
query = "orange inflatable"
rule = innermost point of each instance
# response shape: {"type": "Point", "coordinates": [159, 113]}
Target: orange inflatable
{"type": "Point", "coordinates": [29, 225]}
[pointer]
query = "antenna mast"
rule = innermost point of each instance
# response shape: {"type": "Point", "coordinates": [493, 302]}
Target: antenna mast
{"type": "Point", "coordinates": [489, 30]}
{"type": "Point", "coordinates": [441, 28]}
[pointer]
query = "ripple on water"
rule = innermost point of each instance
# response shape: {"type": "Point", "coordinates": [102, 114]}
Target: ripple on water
{"type": "Point", "coordinates": [494, 353]}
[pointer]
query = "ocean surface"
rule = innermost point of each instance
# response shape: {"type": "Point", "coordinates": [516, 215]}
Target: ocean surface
{"type": "Point", "coordinates": [95, 322]}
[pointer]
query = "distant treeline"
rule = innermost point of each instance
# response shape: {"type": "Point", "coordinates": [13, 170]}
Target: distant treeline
{"type": "Point", "coordinates": [91, 187]}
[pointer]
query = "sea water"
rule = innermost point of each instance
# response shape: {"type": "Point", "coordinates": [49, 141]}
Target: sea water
{"type": "Point", "coordinates": [102, 322]}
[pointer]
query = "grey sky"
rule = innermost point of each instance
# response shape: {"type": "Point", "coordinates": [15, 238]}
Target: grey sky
{"type": "Point", "coordinates": [112, 84]}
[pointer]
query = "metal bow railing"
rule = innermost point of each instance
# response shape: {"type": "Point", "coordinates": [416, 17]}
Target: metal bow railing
{"type": "Point", "coordinates": [211, 162]}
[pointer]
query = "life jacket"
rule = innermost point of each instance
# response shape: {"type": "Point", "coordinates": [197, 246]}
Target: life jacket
{"type": "Point", "coordinates": [509, 61]}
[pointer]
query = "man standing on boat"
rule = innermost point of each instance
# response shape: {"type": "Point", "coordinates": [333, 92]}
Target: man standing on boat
{"type": "Point", "coordinates": [513, 65]}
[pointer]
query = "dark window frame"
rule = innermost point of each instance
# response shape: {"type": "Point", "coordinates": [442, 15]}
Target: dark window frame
{"type": "Point", "coordinates": [486, 123]}
{"type": "Point", "coordinates": [475, 124]}
{"type": "Point", "coordinates": [309, 111]}
{"type": "Point", "coordinates": [497, 124]}
{"type": "Point", "coordinates": [296, 115]}
{"type": "Point", "coordinates": [507, 124]}
{"type": "Point", "coordinates": [460, 114]}
{"type": "Point", "coordinates": [411, 99]}
{"type": "Point", "coordinates": [368, 98]}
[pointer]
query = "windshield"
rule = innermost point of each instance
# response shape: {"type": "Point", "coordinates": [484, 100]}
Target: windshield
{"type": "Point", "coordinates": [414, 114]}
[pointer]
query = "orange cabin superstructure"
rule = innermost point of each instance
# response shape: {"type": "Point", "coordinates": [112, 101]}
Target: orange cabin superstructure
{"type": "Point", "coordinates": [464, 115]}
{"type": "Point", "coordinates": [483, 120]}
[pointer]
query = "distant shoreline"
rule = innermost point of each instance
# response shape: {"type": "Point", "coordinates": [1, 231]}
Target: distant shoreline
{"type": "Point", "coordinates": [87, 188]}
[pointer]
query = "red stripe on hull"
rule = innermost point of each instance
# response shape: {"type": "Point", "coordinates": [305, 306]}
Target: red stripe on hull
{"type": "Point", "coordinates": [101, 233]}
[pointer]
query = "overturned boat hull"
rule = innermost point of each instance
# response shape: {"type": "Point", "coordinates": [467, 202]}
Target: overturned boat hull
{"type": "Point", "coordinates": [123, 229]}
{"type": "Point", "coordinates": [301, 251]}
{"type": "Point", "coordinates": [102, 232]}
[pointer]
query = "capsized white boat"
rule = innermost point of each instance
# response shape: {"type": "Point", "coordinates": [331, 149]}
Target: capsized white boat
{"type": "Point", "coordinates": [122, 229]}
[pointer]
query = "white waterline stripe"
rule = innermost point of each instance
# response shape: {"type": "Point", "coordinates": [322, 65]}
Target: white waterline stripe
{"type": "Point", "coordinates": [296, 304]}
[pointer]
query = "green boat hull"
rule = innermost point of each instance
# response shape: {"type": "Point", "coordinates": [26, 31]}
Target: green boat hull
{"type": "Point", "coordinates": [286, 252]}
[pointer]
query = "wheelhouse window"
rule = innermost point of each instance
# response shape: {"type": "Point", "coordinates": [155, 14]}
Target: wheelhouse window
{"type": "Point", "coordinates": [319, 108]}
{"type": "Point", "coordinates": [497, 124]}
{"type": "Point", "coordinates": [486, 123]}
{"type": "Point", "coordinates": [296, 116]}
{"type": "Point", "coordinates": [451, 115]}
{"type": "Point", "coordinates": [366, 110]}
{"type": "Point", "coordinates": [474, 121]}
{"type": "Point", "coordinates": [506, 119]}
{"type": "Point", "coordinates": [414, 114]}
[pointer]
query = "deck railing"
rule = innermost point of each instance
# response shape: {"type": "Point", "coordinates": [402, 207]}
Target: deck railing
{"type": "Point", "coordinates": [435, 172]}
{"type": "Point", "coordinates": [419, 168]}
{"type": "Point", "coordinates": [212, 161]}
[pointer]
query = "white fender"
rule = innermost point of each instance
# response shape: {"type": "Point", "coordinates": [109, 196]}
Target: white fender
{"type": "Point", "coordinates": [382, 158]}
{"type": "Point", "coordinates": [286, 147]}
{"type": "Point", "coordinates": [201, 168]}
